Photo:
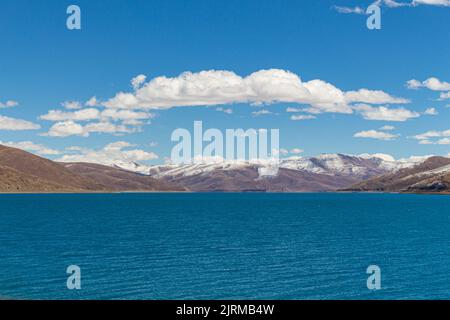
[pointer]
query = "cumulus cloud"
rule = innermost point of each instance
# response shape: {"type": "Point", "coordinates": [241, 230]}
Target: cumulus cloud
{"type": "Point", "coordinates": [434, 137]}
{"type": "Point", "coordinates": [444, 95]}
{"type": "Point", "coordinates": [125, 115]}
{"type": "Point", "coordinates": [8, 104]}
{"type": "Point", "coordinates": [74, 105]}
{"type": "Point", "coordinates": [79, 115]}
{"type": "Point", "coordinates": [71, 105]}
{"type": "Point", "coordinates": [373, 134]}
{"type": "Point", "coordinates": [13, 124]}
{"type": "Point", "coordinates": [373, 97]}
{"type": "Point", "coordinates": [92, 102]}
{"type": "Point", "coordinates": [107, 127]}
{"type": "Point", "coordinates": [387, 128]}
{"type": "Point", "coordinates": [112, 121]}
{"type": "Point", "coordinates": [431, 112]}
{"type": "Point", "coordinates": [432, 83]}
{"type": "Point", "coordinates": [71, 128]}
{"type": "Point", "coordinates": [385, 114]}
{"type": "Point", "coordinates": [137, 81]}
{"type": "Point", "coordinates": [108, 155]}
{"type": "Point", "coordinates": [213, 87]}
{"type": "Point", "coordinates": [65, 129]}
{"type": "Point", "coordinates": [32, 147]}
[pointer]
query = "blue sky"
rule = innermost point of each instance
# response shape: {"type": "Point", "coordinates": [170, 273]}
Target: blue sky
{"type": "Point", "coordinates": [43, 65]}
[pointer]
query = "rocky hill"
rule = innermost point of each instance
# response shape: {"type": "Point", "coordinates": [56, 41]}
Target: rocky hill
{"type": "Point", "coordinates": [433, 175]}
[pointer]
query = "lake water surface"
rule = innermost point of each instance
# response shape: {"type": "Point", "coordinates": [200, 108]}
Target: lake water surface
{"type": "Point", "coordinates": [225, 246]}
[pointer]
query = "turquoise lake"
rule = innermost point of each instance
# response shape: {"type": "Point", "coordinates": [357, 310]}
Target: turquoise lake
{"type": "Point", "coordinates": [224, 246]}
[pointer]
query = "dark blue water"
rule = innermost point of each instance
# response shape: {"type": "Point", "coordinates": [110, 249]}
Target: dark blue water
{"type": "Point", "coordinates": [225, 246]}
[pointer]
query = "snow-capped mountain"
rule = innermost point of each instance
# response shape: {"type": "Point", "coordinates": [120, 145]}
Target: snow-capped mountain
{"type": "Point", "coordinates": [327, 164]}
{"type": "Point", "coordinates": [321, 173]}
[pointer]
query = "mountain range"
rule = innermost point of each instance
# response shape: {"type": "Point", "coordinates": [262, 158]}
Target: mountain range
{"type": "Point", "coordinates": [21, 171]}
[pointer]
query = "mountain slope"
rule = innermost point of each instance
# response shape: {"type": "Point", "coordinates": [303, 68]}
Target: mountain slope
{"type": "Point", "coordinates": [433, 175]}
{"type": "Point", "coordinates": [44, 169]}
{"type": "Point", "coordinates": [14, 181]}
{"type": "Point", "coordinates": [21, 171]}
{"type": "Point", "coordinates": [116, 179]}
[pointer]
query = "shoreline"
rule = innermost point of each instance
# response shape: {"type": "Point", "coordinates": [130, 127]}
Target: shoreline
{"type": "Point", "coordinates": [224, 192]}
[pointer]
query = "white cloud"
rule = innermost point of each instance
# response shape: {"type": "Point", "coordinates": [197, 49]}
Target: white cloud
{"type": "Point", "coordinates": [137, 81]}
{"type": "Point", "coordinates": [349, 10]}
{"type": "Point", "coordinates": [413, 84]}
{"type": "Point", "coordinates": [92, 102]}
{"type": "Point", "coordinates": [107, 127]}
{"type": "Point", "coordinates": [71, 105]}
{"type": "Point", "coordinates": [74, 105]}
{"type": "Point", "coordinates": [297, 151]}
{"type": "Point", "coordinates": [71, 128]}
{"type": "Point", "coordinates": [79, 115]}
{"type": "Point", "coordinates": [213, 87]}
{"type": "Point", "coordinates": [373, 97]}
{"type": "Point", "coordinates": [292, 109]}
{"type": "Point", "coordinates": [300, 117]}
{"type": "Point", "coordinates": [31, 147]}
{"type": "Point", "coordinates": [373, 134]}
{"type": "Point", "coordinates": [65, 129]}
{"type": "Point", "coordinates": [110, 154]}
{"type": "Point", "coordinates": [126, 115]}
{"type": "Point", "coordinates": [432, 83]}
{"type": "Point", "coordinates": [431, 112]}
{"type": "Point", "coordinates": [433, 137]}
{"type": "Point", "coordinates": [443, 141]}
{"type": "Point", "coordinates": [261, 112]}
{"type": "Point", "coordinates": [444, 95]}
{"type": "Point", "coordinates": [386, 114]}
{"type": "Point", "coordinates": [392, 4]}
{"type": "Point", "coordinates": [443, 3]}
{"type": "Point", "coordinates": [225, 110]}
{"type": "Point", "coordinates": [387, 128]}
{"type": "Point", "coordinates": [12, 124]}
{"type": "Point", "coordinates": [8, 104]}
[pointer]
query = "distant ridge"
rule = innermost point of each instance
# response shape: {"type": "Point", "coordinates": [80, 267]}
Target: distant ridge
{"type": "Point", "coordinates": [431, 176]}
{"type": "Point", "coordinates": [21, 171]}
